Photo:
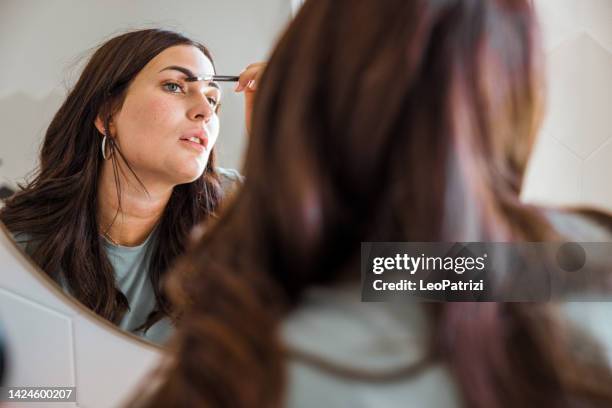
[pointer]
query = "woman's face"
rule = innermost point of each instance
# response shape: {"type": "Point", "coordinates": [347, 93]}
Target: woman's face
{"type": "Point", "coordinates": [162, 111]}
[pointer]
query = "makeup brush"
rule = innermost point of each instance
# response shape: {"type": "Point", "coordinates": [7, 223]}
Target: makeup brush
{"type": "Point", "coordinates": [216, 78]}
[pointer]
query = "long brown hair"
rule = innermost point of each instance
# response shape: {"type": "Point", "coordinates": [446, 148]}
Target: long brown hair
{"type": "Point", "coordinates": [397, 120]}
{"type": "Point", "coordinates": [57, 208]}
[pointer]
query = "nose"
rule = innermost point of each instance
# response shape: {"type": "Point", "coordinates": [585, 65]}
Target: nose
{"type": "Point", "coordinates": [201, 109]}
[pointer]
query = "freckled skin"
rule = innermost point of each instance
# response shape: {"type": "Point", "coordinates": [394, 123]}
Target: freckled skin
{"type": "Point", "coordinates": [152, 119]}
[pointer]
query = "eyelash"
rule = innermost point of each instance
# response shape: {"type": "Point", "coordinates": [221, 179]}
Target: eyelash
{"type": "Point", "coordinates": [210, 99]}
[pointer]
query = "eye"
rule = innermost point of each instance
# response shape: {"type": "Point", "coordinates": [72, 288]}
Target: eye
{"type": "Point", "coordinates": [173, 87]}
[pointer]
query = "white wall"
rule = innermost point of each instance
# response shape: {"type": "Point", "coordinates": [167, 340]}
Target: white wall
{"type": "Point", "coordinates": [572, 161]}
{"type": "Point", "coordinates": [42, 42]}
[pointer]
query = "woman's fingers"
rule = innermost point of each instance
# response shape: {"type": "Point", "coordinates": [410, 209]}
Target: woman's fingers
{"type": "Point", "coordinates": [249, 77]}
{"type": "Point", "coordinates": [247, 82]}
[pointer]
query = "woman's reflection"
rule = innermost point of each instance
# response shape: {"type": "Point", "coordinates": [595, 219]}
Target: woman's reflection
{"type": "Point", "coordinates": [127, 169]}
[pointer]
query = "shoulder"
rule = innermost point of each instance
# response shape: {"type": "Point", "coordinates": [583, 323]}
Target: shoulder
{"type": "Point", "coordinates": [581, 224]}
{"type": "Point", "coordinates": [590, 317]}
{"type": "Point", "coordinates": [28, 244]}
{"type": "Point", "coordinates": [230, 179]}
{"type": "Point", "coordinates": [593, 319]}
{"type": "Point", "coordinates": [333, 328]}
{"type": "Point", "coordinates": [159, 333]}
{"type": "Point", "coordinates": [24, 241]}
{"type": "Point", "coordinates": [308, 387]}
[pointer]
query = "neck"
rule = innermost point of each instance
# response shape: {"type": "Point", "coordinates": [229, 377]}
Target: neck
{"type": "Point", "coordinates": [131, 224]}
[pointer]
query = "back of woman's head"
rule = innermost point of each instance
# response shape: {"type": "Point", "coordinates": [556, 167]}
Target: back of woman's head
{"type": "Point", "coordinates": [392, 122]}
{"type": "Point", "coordinates": [58, 208]}
{"type": "Point", "coordinates": [379, 121]}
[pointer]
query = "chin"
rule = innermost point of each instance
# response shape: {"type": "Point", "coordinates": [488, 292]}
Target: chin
{"type": "Point", "coordinates": [190, 179]}
{"type": "Point", "coordinates": [189, 175]}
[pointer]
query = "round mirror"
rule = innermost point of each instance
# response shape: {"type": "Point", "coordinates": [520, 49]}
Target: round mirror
{"type": "Point", "coordinates": [123, 127]}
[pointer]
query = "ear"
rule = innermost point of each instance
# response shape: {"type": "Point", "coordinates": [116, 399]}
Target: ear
{"type": "Point", "coordinates": [99, 123]}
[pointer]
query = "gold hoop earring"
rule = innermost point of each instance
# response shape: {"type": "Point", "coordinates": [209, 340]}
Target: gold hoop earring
{"type": "Point", "coordinates": [104, 155]}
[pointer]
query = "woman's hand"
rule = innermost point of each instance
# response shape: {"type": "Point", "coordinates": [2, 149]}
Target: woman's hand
{"type": "Point", "coordinates": [248, 82]}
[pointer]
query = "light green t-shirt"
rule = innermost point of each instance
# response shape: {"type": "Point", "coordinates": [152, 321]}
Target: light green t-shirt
{"type": "Point", "coordinates": [131, 266]}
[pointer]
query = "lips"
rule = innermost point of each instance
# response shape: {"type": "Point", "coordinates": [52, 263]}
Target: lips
{"type": "Point", "coordinates": [199, 134]}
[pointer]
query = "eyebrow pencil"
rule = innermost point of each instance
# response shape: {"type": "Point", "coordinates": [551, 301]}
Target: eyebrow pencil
{"type": "Point", "coordinates": [216, 78]}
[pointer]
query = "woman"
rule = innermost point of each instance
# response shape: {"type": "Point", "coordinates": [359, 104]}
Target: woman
{"type": "Point", "coordinates": [127, 168]}
{"type": "Point", "coordinates": [403, 120]}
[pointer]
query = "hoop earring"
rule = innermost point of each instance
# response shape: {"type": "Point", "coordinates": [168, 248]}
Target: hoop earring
{"type": "Point", "coordinates": [104, 156]}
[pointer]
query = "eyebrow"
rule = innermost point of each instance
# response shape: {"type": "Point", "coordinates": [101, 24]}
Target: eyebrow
{"type": "Point", "coordinates": [190, 75]}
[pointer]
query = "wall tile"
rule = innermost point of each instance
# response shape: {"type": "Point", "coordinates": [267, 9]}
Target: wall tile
{"type": "Point", "coordinates": [553, 174]}
{"type": "Point", "coordinates": [580, 95]}
{"type": "Point", "coordinates": [597, 188]}
{"type": "Point", "coordinates": [44, 352]}
{"type": "Point", "coordinates": [578, 42]}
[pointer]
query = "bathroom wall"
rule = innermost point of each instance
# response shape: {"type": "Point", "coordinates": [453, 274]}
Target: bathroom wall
{"type": "Point", "coordinates": [45, 43]}
{"type": "Point", "coordinates": [572, 160]}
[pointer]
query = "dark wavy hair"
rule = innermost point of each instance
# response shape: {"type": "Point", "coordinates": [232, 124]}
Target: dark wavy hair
{"type": "Point", "coordinates": [57, 207]}
{"type": "Point", "coordinates": [395, 120]}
